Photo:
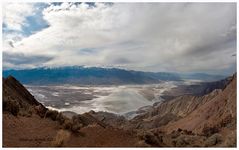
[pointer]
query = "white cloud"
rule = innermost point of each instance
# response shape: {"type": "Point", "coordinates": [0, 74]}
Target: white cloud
{"type": "Point", "coordinates": [14, 14]}
{"type": "Point", "coordinates": [142, 36]}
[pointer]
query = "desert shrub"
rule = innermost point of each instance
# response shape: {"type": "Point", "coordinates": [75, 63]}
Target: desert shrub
{"type": "Point", "coordinates": [40, 110]}
{"type": "Point", "coordinates": [61, 138]}
{"type": "Point", "coordinates": [150, 138]}
{"type": "Point", "coordinates": [25, 113]}
{"type": "Point", "coordinates": [188, 132]}
{"type": "Point", "coordinates": [11, 106]}
{"type": "Point", "coordinates": [67, 124]}
{"type": "Point", "coordinates": [71, 125]}
{"type": "Point", "coordinates": [227, 120]}
{"type": "Point", "coordinates": [60, 118]}
{"type": "Point", "coordinates": [213, 140]}
{"type": "Point", "coordinates": [208, 131]}
{"type": "Point", "coordinates": [175, 134]}
{"type": "Point", "coordinates": [30, 110]}
{"type": "Point", "coordinates": [180, 142]}
{"type": "Point", "coordinates": [51, 114]}
{"type": "Point", "coordinates": [142, 143]}
{"type": "Point", "coordinates": [179, 130]}
{"type": "Point", "coordinates": [76, 126]}
{"type": "Point", "coordinates": [80, 119]}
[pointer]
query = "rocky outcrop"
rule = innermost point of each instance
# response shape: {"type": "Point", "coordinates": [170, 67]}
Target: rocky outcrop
{"type": "Point", "coordinates": [109, 118]}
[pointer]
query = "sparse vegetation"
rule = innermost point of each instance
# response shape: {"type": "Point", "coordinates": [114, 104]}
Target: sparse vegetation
{"type": "Point", "coordinates": [25, 113]}
{"type": "Point", "coordinates": [61, 138]}
{"type": "Point", "coordinates": [208, 131]}
{"type": "Point", "coordinates": [72, 125]}
{"type": "Point", "coordinates": [213, 140]}
{"type": "Point", "coordinates": [60, 118]}
{"type": "Point", "coordinates": [67, 124]}
{"type": "Point", "coordinates": [51, 114]}
{"type": "Point", "coordinates": [150, 138]}
{"type": "Point", "coordinates": [11, 106]}
{"type": "Point", "coordinates": [227, 120]}
{"type": "Point", "coordinates": [40, 110]}
{"type": "Point", "coordinates": [76, 126]}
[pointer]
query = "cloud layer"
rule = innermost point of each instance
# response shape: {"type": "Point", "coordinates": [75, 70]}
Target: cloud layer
{"type": "Point", "coordinates": [177, 37]}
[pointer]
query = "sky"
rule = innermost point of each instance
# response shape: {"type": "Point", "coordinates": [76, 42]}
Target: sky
{"type": "Point", "coordinates": [157, 37]}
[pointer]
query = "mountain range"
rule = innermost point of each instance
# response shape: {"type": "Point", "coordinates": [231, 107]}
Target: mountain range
{"type": "Point", "coordinates": [99, 76]}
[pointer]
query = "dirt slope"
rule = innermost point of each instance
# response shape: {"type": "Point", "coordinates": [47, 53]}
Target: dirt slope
{"type": "Point", "coordinates": [38, 132]}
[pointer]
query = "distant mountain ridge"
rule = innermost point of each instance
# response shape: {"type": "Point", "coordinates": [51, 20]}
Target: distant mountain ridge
{"type": "Point", "coordinates": [202, 76]}
{"type": "Point", "coordinates": [90, 76]}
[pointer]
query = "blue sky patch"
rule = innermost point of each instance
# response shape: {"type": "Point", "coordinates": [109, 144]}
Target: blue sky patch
{"type": "Point", "coordinates": [34, 23]}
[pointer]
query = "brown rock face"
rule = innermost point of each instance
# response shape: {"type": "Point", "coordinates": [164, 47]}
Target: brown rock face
{"type": "Point", "coordinates": [16, 98]}
{"type": "Point", "coordinates": [12, 87]}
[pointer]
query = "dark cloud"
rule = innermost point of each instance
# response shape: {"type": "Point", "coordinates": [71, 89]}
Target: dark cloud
{"type": "Point", "coordinates": [120, 61]}
{"type": "Point", "coordinates": [11, 43]}
{"type": "Point", "coordinates": [22, 59]}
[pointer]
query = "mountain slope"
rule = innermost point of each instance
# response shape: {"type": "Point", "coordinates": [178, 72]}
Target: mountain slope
{"type": "Point", "coordinates": [216, 113]}
{"type": "Point", "coordinates": [201, 76]}
{"type": "Point", "coordinates": [16, 98]}
{"type": "Point", "coordinates": [208, 120]}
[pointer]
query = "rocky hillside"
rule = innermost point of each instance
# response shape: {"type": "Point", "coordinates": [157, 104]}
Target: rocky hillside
{"type": "Point", "coordinates": [171, 110]}
{"type": "Point", "coordinates": [185, 121]}
{"type": "Point", "coordinates": [210, 118]}
{"type": "Point", "coordinates": [216, 112]}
